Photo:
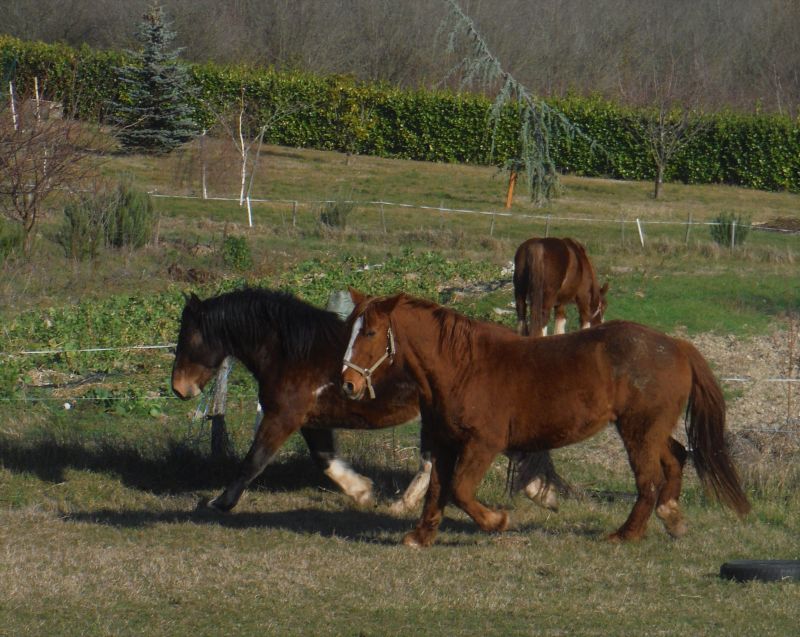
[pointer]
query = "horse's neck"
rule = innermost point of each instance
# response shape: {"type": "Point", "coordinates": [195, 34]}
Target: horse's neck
{"type": "Point", "coordinates": [431, 344]}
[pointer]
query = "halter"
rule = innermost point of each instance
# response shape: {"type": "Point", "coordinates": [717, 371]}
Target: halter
{"type": "Point", "coordinates": [367, 373]}
{"type": "Point", "coordinates": [597, 311]}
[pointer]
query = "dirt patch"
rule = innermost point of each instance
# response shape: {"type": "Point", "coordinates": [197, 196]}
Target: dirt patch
{"type": "Point", "coordinates": [763, 402]}
{"type": "Point", "coordinates": [782, 224]}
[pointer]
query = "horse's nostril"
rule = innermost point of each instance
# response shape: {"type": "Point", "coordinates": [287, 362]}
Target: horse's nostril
{"type": "Point", "coordinates": [348, 388]}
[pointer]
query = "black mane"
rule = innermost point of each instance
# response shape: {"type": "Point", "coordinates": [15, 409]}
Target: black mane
{"type": "Point", "coordinates": [245, 319]}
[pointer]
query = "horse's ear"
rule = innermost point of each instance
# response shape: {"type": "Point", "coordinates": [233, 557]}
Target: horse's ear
{"type": "Point", "coordinates": [604, 289]}
{"type": "Point", "coordinates": [388, 304]}
{"type": "Point", "coordinates": [192, 301]}
{"type": "Point", "coordinates": [356, 296]}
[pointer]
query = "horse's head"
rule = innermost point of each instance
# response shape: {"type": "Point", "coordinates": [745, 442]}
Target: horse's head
{"type": "Point", "coordinates": [196, 361]}
{"type": "Point", "coordinates": [600, 304]}
{"type": "Point", "coordinates": [372, 348]}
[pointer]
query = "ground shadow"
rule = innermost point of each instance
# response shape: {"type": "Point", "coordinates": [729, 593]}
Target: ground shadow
{"type": "Point", "coordinates": [348, 524]}
{"type": "Point", "coordinates": [178, 469]}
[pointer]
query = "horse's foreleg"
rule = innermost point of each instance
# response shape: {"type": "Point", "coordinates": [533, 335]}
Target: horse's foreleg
{"type": "Point", "coordinates": [443, 460]}
{"type": "Point", "coordinates": [473, 462]}
{"type": "Point", "coordinates": [272, 433]}
{"type": "Point", "coordinates": [322, 446]}
{"type": "Point", "coordinates": [416, 488]}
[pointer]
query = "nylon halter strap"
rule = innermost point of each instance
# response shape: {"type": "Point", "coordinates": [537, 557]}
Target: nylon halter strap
{"type": "Point", "coordinates": [367, 373]}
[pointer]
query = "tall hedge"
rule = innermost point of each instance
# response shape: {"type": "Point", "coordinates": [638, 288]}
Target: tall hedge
{"type": "Point", "coordinates": [756, 151]}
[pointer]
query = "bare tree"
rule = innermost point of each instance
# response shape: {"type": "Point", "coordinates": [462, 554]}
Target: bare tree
{"type": "Point", "coordinates": [38, 156]}
{"type": "Point", "coordinates": [672, 120]}
{"type": "Point", "coordinates": [246, 126]}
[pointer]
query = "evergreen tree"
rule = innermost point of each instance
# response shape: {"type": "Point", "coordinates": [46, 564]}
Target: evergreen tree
{"type": "Point", "coordinates": [153, 114]}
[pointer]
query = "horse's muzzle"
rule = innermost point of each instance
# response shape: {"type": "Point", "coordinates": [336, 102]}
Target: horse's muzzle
{"type": "Point", "coordinates": [185, 391]}
{"type": "Point", "coordinates": [349, 390]}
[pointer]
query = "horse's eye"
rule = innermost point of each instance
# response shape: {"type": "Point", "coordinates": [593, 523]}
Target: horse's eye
{"type": "Point", "coordinates": [369, 332]}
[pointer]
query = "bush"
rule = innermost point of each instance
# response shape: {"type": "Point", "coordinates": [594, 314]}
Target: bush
{"type": "Point", "coordinates": [120, 218]}
{"type": "Point", "coordinates": [723, 229]}
{"type": "Point", "coordinates": [134, 219]}
{"type": "Point", "coordinates": [10, 239]}
{"type": "Point", "coordinates": [333, 214]}
{"type": "Point", "coordinates": [84, 229]}
{"type": "Point", "coordinates": [236, 253]}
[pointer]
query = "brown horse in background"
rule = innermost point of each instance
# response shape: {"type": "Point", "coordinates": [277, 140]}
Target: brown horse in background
{"type": "Point", "coordinates": [484, 390]}
{"type": "Point", "coordinates": [550, 273]}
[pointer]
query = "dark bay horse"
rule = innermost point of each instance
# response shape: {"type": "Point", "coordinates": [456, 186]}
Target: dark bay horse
{"type": "Point", "coordinates": [485, 390]}
{"type": "Point", "coordinates": [294, 350]}
{"type": "Point", "coordinates": [551, 273]}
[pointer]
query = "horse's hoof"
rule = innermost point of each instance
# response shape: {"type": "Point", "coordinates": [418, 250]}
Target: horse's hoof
{"type": "Point", "coordinates": [414, 541]}
{"type": "Point", "coordinates": [503, 523]}
{"type": "Point", "coordinates": [623, 536]}
{"type": "Point", "coordinates": [364, 499]}
{"type": "Point", "coordinates": [671, 517]}
{"type": "Point", "coordinates": [210, 504]}
{"type": "Point", "coordinates": [398, 508]}
{"type": "Point", "coordinates": [543, 495]}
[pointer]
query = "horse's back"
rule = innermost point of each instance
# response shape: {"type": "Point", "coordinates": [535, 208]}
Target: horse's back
{"type": "Point", "coordinates": [541, 261]}
{"type": "Point", "coordinates": [643, 357]}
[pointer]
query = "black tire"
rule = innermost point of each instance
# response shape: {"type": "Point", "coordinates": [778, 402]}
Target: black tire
{"type": "Point", "coordinates": [761, 570]}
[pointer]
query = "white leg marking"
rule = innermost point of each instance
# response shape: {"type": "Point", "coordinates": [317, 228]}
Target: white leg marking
{"type": "Point", "coordinates": [544, 331]}
{"type": "Point", "coordinates": [356, 486]}
{"type": "Point", "coordinates": [542, 494]}
{"type": "Point", "coordinates": [415, 490]}
{"type": "Point", "coordinates": [356, 328]}
{"type": "Point", "coordinates": [585, 325]}
{"type": "Point", "coordinates": [561, 326]}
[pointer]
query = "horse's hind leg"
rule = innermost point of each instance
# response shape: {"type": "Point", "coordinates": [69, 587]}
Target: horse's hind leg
{"type": "Point", "coordinates": [416, 488]}
{"type": "Point", "coordinates": [673, 457]}
{"type": "Point", "coordinates": [644, 453]}
{"type": "Point", "coordinates": [520, 301]}
{"type": "Point", "coordinates": [560, 326]}
{"type": "Point", "coordinates": [322, 446]}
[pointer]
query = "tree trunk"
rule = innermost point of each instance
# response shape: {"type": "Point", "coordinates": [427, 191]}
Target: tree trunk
{"type": "Point", "coordinates": [659, 181]}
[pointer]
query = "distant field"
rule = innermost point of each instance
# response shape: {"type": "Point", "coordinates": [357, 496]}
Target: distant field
{"type": "Point", "coordinates": [98, 527]}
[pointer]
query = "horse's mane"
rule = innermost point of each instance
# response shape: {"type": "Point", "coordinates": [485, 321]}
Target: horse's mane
{"type": "Point", "coordinates": [246, 318]}
{"type": "Point", "coordinates": [455, 330]}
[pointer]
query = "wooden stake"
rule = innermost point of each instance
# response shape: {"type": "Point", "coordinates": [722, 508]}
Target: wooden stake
{"type": "Point", "coordinates": [512, 180]}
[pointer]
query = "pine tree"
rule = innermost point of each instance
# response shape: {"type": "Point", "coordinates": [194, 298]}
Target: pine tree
{"type": "Point", "coordinates": [153, 114]}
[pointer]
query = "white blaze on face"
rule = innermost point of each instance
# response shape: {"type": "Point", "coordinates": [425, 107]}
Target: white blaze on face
{"type": "Point", "coordinates": [356, 329]}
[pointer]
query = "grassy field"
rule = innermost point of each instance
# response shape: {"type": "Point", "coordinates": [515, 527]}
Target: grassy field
{"type": "Point", "coordinates": [99, 531]}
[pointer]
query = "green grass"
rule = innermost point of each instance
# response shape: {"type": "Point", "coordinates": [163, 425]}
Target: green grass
{"type": "Point", "coordinates": [98, 529]}
{"type": "Point", "coordinates": [109, 542]}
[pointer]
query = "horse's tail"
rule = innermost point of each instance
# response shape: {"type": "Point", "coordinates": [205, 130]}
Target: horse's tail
{"type": "Point", "coordinates": [536, 285]}
{"type": "Point", "coordinates": [705, 429]}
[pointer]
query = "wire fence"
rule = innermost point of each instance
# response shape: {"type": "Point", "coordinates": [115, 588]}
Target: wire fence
{"type": "Point", "coordinates": [380, 207]}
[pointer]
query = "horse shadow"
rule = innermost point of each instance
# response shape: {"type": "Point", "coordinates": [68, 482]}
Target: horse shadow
{"type": "Point", "coordinates": [181, 469]}
{"type": "Point", "coordinates": [372, 527]}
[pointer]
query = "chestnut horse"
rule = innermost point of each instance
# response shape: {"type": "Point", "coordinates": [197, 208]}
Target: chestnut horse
{"type": "Point", "coordinates": [294, 351]}
{"type": "Point", "coordinates": [550, 273]}
{"type": "Point", "coordinates": [485, 390]}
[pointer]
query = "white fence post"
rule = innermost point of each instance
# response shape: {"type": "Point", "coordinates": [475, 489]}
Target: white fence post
{"type": "Point", "coordinates": [641, 232]}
